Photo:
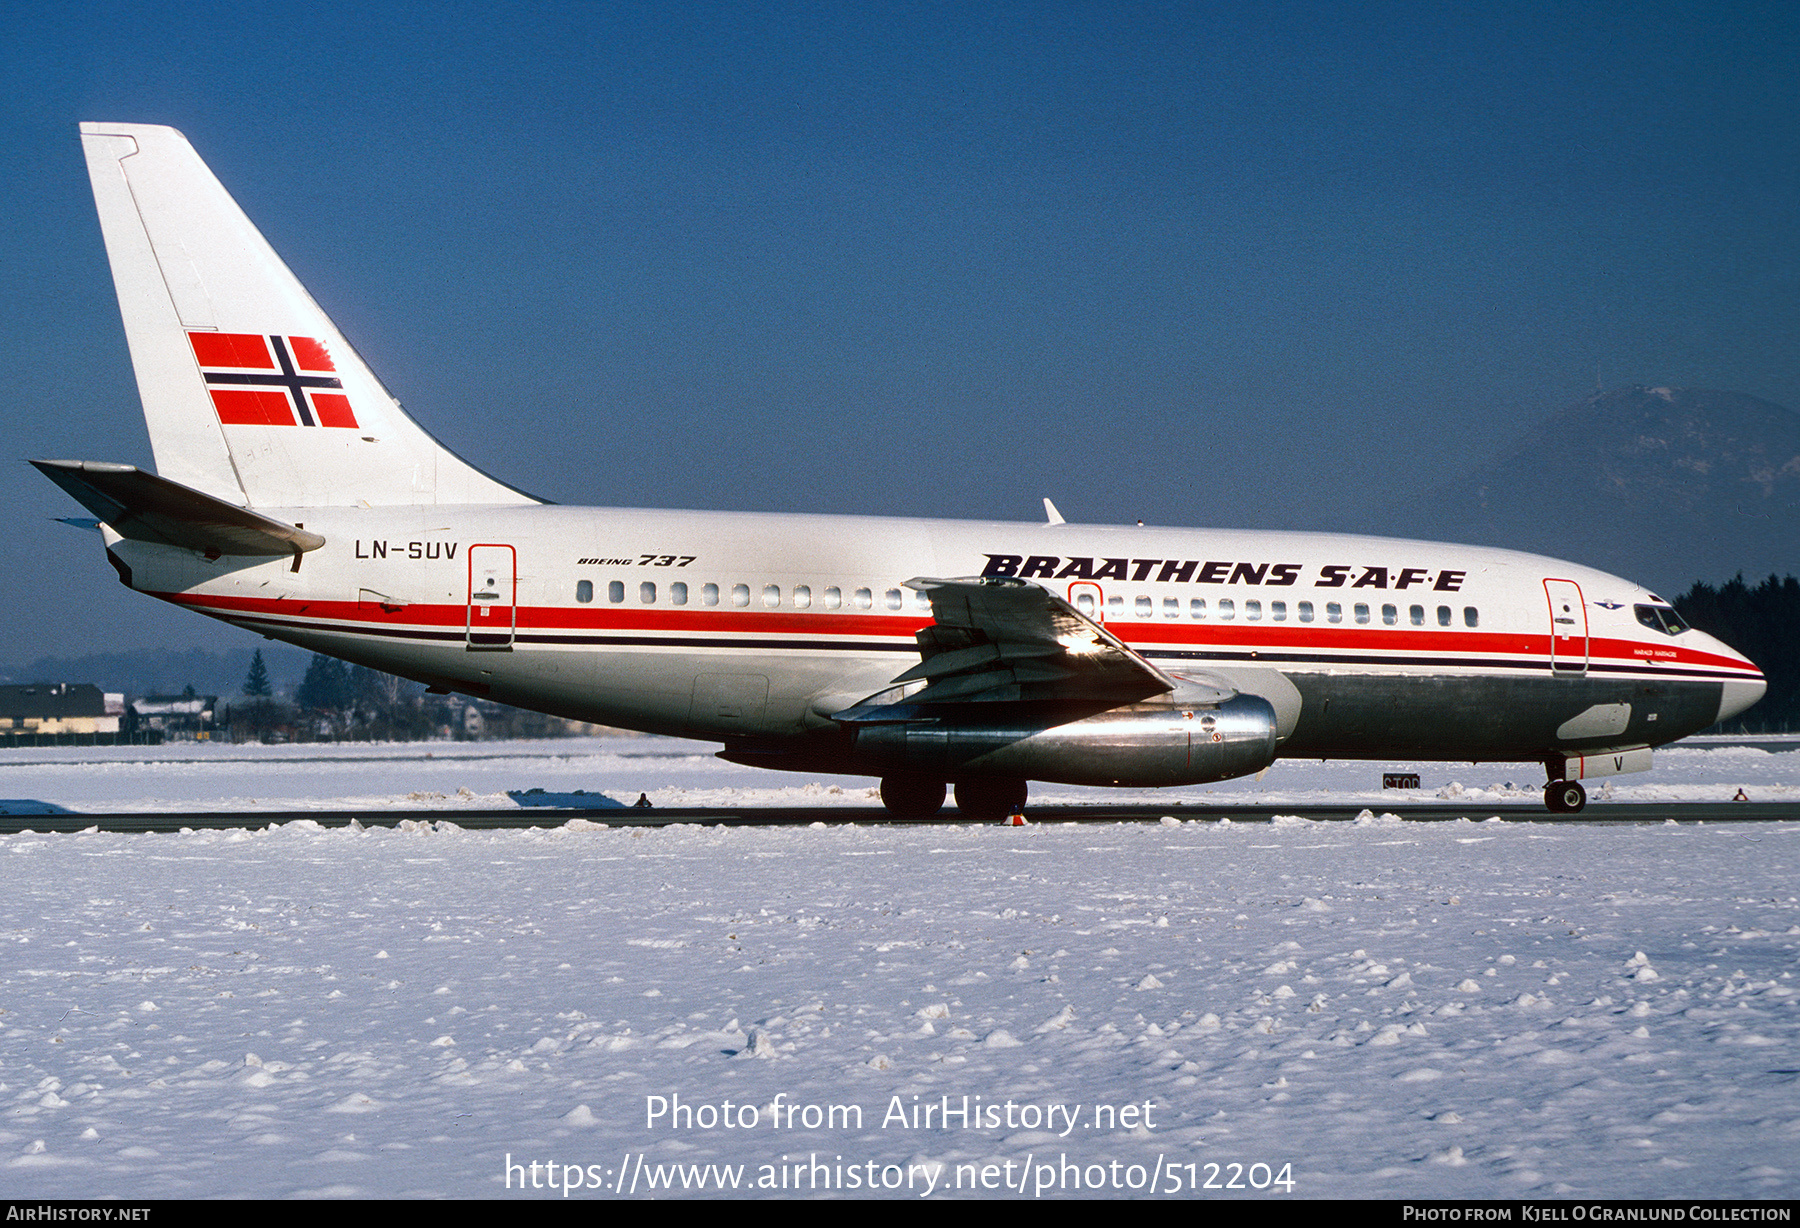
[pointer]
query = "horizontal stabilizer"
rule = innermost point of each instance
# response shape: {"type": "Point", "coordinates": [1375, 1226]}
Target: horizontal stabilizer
{"type": "Point", "coordinates": [146, 508]}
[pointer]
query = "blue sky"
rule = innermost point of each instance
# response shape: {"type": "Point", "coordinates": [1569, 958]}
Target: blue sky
{"type": "Point", "coordinates": [1210, 264]}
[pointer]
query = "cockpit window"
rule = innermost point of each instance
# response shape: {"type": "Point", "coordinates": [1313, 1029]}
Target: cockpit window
{"type": "Point", "coordinates": [1660, 618]}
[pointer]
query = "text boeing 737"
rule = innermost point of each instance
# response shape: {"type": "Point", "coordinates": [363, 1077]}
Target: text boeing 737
{"type": "Point", "coordinates": [295, 498]}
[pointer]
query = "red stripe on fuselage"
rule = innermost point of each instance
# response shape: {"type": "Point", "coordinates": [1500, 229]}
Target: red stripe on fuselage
{"type": "Point", "coordinates": [1148, 636]}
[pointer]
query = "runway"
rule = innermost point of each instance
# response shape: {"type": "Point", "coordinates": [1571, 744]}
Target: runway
{"type": "Point", "coordinates": [792, 816]}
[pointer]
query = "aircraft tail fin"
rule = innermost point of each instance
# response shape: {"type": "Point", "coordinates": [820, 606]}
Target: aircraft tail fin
{"type": "Point", "coordinates": [251, 394]}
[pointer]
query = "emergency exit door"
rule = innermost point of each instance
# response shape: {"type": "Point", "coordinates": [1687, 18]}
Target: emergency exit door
{"type": "Point", "coordinates": [1088, 600]}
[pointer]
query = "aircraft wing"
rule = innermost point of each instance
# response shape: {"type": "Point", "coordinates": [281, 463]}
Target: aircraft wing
{"type": "Point", "coordinates": [997, 639]}
{"type": "Point", "coordinates": [144, 507]}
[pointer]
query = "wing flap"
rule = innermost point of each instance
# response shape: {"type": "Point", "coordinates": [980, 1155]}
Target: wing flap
{"type": "Point", "coordinates": [144, 507]}
{"type": "Point", "coordinates": [995, 640]}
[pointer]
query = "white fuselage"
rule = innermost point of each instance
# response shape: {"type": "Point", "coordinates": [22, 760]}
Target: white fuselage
{"type": "Point", "coordinates": [736, 626]}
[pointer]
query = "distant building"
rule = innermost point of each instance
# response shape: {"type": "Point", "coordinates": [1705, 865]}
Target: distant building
{"type": "Point", "coordinates": [74, 711]}
{"type": "Point", "coordinates": [465, 719]}
{"type": "Point", "coordinates": [176, 718]}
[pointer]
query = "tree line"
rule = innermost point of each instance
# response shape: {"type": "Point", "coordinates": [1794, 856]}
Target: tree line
{"type": "Point", "coordinates": [336, 702]}
{"type": "Point", "coordinates": [1763, 622]}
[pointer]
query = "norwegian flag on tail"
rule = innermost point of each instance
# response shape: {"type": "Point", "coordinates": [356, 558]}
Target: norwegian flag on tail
{"type": "Point", "coordinates": [272, 380]}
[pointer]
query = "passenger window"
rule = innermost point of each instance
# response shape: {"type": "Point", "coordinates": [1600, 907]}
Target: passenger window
{"type": "Point", "coordinates": [1171, 607]}
{"type": "Point", "coordinates": [1116, 604]}
{"type": "Point", "coordinates": [1278, 611]}
{"type": "Point", "coordinates": [1227, 609]}
{"type": "Point", "coordinates": [1084, 604]}
{"type": "Point", "coordinates": [1471, 616]}
{"type": "Point", "coordinates": [802, 597]}
{"type": "Point", "coordinates": [771, 596]}
{"type": "Point", "coordinates": [1362, 613]}
{"type": "Point", "coordinates": [922, 601]}
{"type": "Point", "coordinates": [1443, 616]}
{"type": "Point", "coordinates": [584, 590]}
{"type": "Point", "coordinates": [833, 598]}
{"type": "Point", "coordinates": [1197, 609]}
{"type": "Point", "coordinates": [740, 595]}
{"type": "Point", "coordinates": [1334, 613]}
{"type": "Point", "coordinates": [615, 591]}
{"type": "Point", "coordinates": [678, 592]}
{"type": "Point", "coordinates": [1417, 614]}
{"type": "Point", "coordinates": [1143, 607]}
{"type": "Point", "coordinates": [893, 599]}
{"type": "Point", "coordinates": [1390, 615]}
{"type": "Point", "coordinates": [1306, 611]}
{"type": "Point", "coordinates": [1253, 611]}
{"type": "Point", "coordinates": [709, 594]}
{"type": "Point", "coordinates": [647, 592]}
{"type": "Point", "coordinates": [864, 599]}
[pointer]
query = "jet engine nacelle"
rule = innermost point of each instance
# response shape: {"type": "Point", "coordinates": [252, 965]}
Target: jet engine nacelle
{"type": "Point", "coordinates": [1142, 745]}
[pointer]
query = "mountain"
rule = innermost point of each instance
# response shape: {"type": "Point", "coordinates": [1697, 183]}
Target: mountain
{"type": "Point", "coordinates": [1664, 486]}
{"type": "Point", "coordinates": [161, 671]}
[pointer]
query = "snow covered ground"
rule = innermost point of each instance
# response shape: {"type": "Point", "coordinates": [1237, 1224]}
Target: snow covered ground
{"type": "Point", "coordinates": [1373, 1009]}
{"type": "Point", "coordinates": [674, 773]}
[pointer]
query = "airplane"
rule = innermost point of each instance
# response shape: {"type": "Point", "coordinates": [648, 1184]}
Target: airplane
{"type": "Point", "coordinates": [295, 498]}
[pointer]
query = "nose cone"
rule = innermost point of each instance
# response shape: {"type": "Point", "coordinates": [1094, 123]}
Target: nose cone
{"type": "Point", "coordinates": [1739, 697]}
{"type": "Point", "coordinates": [1738, 694]}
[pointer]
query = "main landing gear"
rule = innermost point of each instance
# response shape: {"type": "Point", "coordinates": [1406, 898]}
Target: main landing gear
{"type": "Point", "coordinates": [920, 797]}
{"type": "Point", "coordinates": [912, 797]}
{"type": "Point", "coordinates": [1565, 796]}
{"type": "Point", "coordinates": [988, 798]}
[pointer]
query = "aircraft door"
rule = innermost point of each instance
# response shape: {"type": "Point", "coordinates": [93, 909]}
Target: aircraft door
{"type": "Point", "coordinates": [493, 610]}
{"type": "Point", "coordinates": [1088, 600]}
{"type": "Point", "coordinates": [1568, 628]}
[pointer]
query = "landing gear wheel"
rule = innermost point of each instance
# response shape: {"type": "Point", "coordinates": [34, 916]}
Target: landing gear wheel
{"type": "Point", "coordinates": [912, 797]}
{"type": "Point", "coordinates": [989, 798]}
{"type": "Point", "coordinates": [1565, 796]}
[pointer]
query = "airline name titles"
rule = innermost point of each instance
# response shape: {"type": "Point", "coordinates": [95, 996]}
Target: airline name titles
{"type": "Point", "coordinates": [1194, 571]}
